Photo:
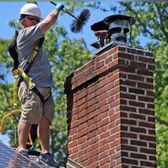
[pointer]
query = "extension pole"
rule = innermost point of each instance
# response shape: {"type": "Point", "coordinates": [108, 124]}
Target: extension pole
{"type": "Point", "coordinates": [65, 11]}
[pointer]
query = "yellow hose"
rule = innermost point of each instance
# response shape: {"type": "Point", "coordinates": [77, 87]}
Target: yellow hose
{"type": "Point", "coordinates": [15, 111]}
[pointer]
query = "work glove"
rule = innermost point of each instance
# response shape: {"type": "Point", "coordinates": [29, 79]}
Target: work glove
{"type": "Point", "coordinates": [59, 6]}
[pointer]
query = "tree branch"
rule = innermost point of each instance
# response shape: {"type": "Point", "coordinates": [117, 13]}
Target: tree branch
{"type": "Point", "coordinates": [160, 121]}
{"type": "Point", "coordinates": [161, 22]}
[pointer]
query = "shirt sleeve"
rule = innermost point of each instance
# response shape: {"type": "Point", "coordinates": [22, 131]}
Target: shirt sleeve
{"type": "Point", "coordinates": [29, 36]}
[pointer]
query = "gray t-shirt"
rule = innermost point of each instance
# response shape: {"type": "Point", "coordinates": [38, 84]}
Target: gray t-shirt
{"type": "Point", "coordinates": [40, 71]}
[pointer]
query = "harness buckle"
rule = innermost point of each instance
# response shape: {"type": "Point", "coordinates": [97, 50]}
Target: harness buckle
{"type": "Point", "coordinates": [32, 86]}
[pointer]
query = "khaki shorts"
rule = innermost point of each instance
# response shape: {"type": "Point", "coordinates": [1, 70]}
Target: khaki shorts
{"type": "Point", "coordinates": [32, 106]}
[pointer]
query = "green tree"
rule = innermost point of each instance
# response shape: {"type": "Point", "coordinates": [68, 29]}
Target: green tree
{"type": "Point", "coordinates": [5, 70]}
{"type": "Point", "coordinates": [161, 103]}
{"type": "Point", "coordinates": [151, 22]}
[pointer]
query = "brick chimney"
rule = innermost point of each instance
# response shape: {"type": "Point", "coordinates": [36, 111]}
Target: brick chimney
{"type": "Point", "coordinates": [110, 103]}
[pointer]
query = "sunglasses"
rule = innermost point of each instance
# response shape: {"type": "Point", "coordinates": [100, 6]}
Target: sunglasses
{"type": "Point", "coordinates": [34, 19]}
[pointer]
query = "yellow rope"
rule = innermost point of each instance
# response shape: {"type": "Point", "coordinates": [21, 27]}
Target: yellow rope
{"type": "Point", "coordinates": [30, 140]}
{"type": "Point", "coordinates": [15, 75]}
{"type": "Point", "coordinates": [13, 110]}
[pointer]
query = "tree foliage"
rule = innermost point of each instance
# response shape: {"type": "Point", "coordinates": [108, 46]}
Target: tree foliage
{"type": "Point", "coordinates": [151, 22]}
{"type": "Point", "coordinates": [161, 103]}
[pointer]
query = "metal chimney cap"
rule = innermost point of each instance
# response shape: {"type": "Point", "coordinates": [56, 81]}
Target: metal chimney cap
{"type": "Point", "coordinates": [99, 26]}
{"type": "Point", "coordinates": [112, 18]}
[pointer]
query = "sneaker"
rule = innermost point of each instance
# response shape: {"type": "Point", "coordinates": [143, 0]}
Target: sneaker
{"type": "Point", "coordinates": [47, 159]}
{"type": "Point", "coordinates": [24, 153]}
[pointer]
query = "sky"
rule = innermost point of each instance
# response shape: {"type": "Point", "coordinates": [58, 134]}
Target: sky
{"type": "Point", "coordinates": [10, 11]}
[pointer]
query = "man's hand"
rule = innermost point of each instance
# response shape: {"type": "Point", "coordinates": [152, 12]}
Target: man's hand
{"type": "Point", "coordinates": [59, 6]}
{"type": "Point", "coordinates": [51, 18]}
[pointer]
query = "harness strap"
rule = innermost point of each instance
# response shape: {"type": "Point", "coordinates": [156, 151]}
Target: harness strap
{"type": "Point", "coordinates": [30, 84]}
{"type": "Point", "coordinates": [23, 73]}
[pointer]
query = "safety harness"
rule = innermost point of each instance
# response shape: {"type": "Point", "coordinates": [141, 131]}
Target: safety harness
{"type": "Point", "coordinates": [22, 74]}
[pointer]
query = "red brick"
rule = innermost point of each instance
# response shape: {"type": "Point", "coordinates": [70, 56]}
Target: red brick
{"type": "Point", "coordinates": [151, 67]}
{"type": "Point", "coordinates": [138, 65]}
{"type": "Point", "coordinates": [152, 145]}
{"type": "Point", "coordinates": [104, 161]}
{"type": "Point", "coordinates": [136, 104]}
{"type": "Point", "coordinates": [122, 48]}
{"type": "Point", "coordinates": [128, 108]}
{"type": "Point", "coordinates": [130, 161]}
{"type": "Point", "coordinates": [88, 71]}
{"type": "Point", "coordinates": [146, 124]}
{"type": "Point", "coordinates": [150, 106]}
{"type": "Point", "coordinates": [83, 145]}
{"type": "Point", "coordinates": [82, 158]}
{"type": "Point", "coordinates": [125, 55]}
{"type": "Point", "coordinates": [104, 122]}
{"type": "Point", "coordinates": [92, 134]}
{"type": "Point", "coordinates": [83, 119]}
{"type": "Point", "coordinates": [107, 165]}
{"type": "Point", "coordinates": [137, 116]}
{"type": "Point", "coordinates": [108, 59]}
{"type": "Point", "coordinates": [144, 72]}
{"type": "Point", "coordinates": [81, 114]}
{"type": "Point", "coordinates": [72, 144]}
{"type": "Point", "coordinates": [102, 103]}
{"type": "Point", "coordinates": [148, 138]}
{"type": "Point", "coordinates": [92, 102]}
{"type": "Point", "coordinates": [127, 96]}
{"type": "Point", "coordinates": [99, 64]}
{"type": "Point", "coordinates": [93, 127]}
{"type": "Point", "coordinates": [74, 124]}
{"type": "Point", "coordinates": [148, 151]}
{"type": "Point", "coordinates": [82, 139]}
{"type": "Point", "coordinates": [91, 161]}
{"type": "Point", "coordinates": [148, 164]}
{"type": "Point", "coordinates": [138, 156]}
{"type": "Point", "coordinates": [146, 60]}
{"type": "Point", "coordinates": [82, 126]}
{"type": "Point", "coordinates": [115, 129]}
{"type": "Point", "coordinates": [113, 63]}
{"type": "Point", "coordinates": [128, 121]}
{"type": "Point", "coordinates": [138, 130]}
{"type": "Point", "coordinates": [127, 82]}
{"type": "Point", "coordinates": [103, 148]}
{"type": "Point", "coordinates": [146, 111]}
{"type": "Point", "coordinates": [146, 99]}
{"type": "Point", "coordinates": [138, 143]}
{"type": "Point", "coordinates": [83, 132]}
{"type": "Point", "coordinates": [96, 165]}
{"type": "Point", "coordinates": [103, 155]}
{"type": "Point", "coordinates": [129, 135]}
{"type": "Point", "coordinates": [101, 70]}
{"type": "Point", "coordinates": [149, 54]}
